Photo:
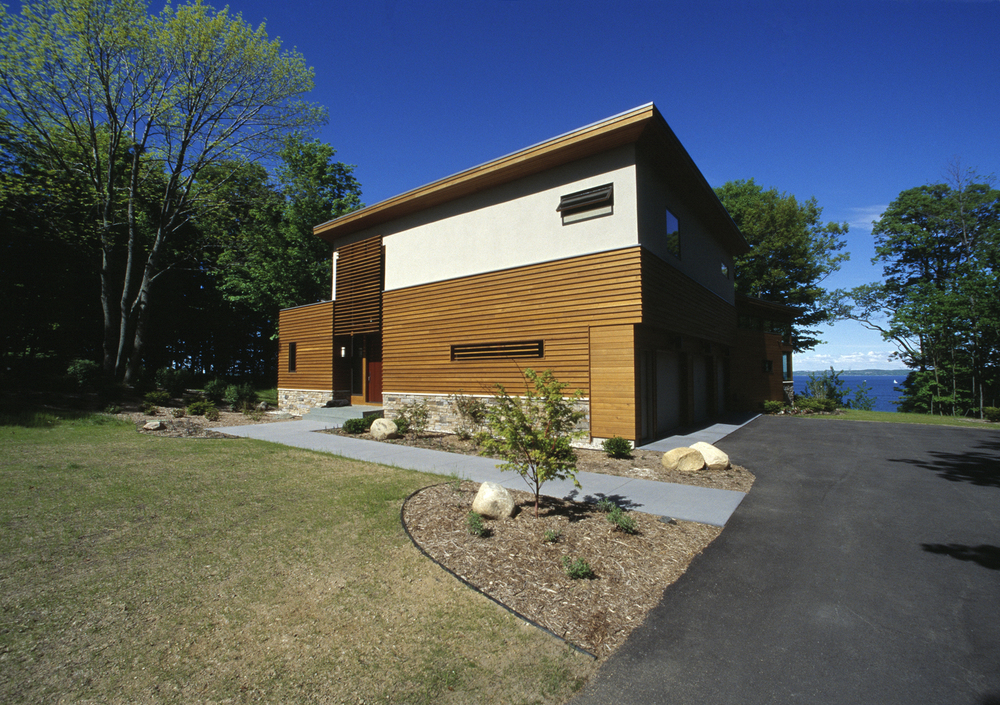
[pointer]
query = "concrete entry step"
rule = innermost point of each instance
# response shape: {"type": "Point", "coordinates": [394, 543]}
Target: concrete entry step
{"type": "Point", "coordinates": [337, 415]}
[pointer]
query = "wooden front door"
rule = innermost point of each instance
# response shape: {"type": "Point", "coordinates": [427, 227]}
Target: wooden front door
{"type": "Point", "coordinates": [374, 387]}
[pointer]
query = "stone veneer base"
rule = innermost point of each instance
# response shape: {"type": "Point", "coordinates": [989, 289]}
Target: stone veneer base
{"type": "Point", "coordinates": [300, 401]}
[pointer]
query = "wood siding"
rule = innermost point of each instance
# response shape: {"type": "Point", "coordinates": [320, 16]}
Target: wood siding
{"type": "Point", "coordinates": [613, 409]}
{"type": "Point", "coordinates": [556, 302]}
{"type": "Point", "coordinates": [752, 386]}
{"type": "Point", "coordinates": [311, 329]}
{"type": "Point", "coordinates": [675, 302]}
{"type": "Point", "coordinates": [359, 287]}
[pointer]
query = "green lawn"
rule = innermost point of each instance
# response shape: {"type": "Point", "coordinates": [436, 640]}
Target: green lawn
{"type": "Point", "coordinates": [897, 417]}
{"type": "Point", "coordinates": [145, 569]}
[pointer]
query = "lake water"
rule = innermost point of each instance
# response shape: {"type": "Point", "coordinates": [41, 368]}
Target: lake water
{"type": "Point", "coordinates": [882, 387]}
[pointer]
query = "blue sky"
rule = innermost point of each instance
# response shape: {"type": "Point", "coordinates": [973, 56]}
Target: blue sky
{"type": "Point", "coordinates": [850, 102]}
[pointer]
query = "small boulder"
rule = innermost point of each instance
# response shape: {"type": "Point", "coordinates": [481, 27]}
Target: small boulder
{"type": "Point", "coordinates": [493, 501]}
{"type": "Point", "coordinates": [384, 428]}
{"type": "Point", "coordinates": [154, 426]}
{"type": "Point", "coordinates": [715, 459]}
{"type": "Point", "coordinates": [262, 406]}
{"type": "Point", "coordinates": [683, 460]}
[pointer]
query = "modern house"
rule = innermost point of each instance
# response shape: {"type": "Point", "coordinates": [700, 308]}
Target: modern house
{"type": "Point", "coordinates": [602, 254]}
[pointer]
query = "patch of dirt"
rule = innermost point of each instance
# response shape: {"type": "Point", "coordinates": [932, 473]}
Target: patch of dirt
{"type": "Point", "coordinates": [194, 426]}
{"type": "Point", "coordinates": [517, 566]}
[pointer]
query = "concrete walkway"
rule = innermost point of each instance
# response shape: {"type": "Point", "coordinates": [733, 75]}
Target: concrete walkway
{"type": "Point", "coordinates": [685, 502]}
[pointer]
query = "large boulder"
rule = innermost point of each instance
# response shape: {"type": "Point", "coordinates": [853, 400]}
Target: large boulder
{"type": "Point", "coordinates": [384, 428]}
{"type": "Point", "coordinates": [493, 501]}
{"type": "Point", "coordinates": [155, 426]}
{"type": "Point", "coordinates": [715, 459]}
{"type": "Point", "coordinates": [683, 460]}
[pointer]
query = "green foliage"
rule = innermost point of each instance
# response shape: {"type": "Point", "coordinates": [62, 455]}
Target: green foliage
{"type": "Point", "coordinates": [774, 407]}
{"type": "Point", "coordinates": [474, 523]}
{"type": "Point", "coordinates": [178, 413]}
{"type": "Point", "coordinates": [112, 409]}
{"type": "Point", "coordinates": [212, 414]}
{"type": "Point", "coordinates": [215, 390]}
{"type": "Point", "coordinates": [174, 379]}
{"type": "Point", "coordinates": [412, 417]}
{"type": "Point", "coordinates": [532, 434]}
{"type": "Point", "coordinates": [552, 536]}
{"type": "Point", "coordinates": [617, 447]}
{"type": "Point", "coordinates": [149, 408]}
{"type": "Point", "coordinates": [622, 521]}
{"type": "Point", "coordinates": [815, 405]}
{"type": "Point", "coordinates": [782, 230]}
{"type": "Point", "coordinates": [826, 385]}
{"type": "Point", "coordinates": [472, 415]}
{"type": "Point", "coordinates": [200, 408]}
{"type": "Point", "coordinates": [577, 568]}
{"type": "Point", "coordinates": [862, 398]}
{"type": "Point", "coordinates": [157, 398]}
{"type": "Point", "coordinates": [355, 426]}
{"type": "Point", "coordinates": [240, 396]}
{"type": "Point", "coordinates": [606, 505]}
{"type": "Point", "coordinates": [938, 300]}
{"type": "Point", "coordinates": [85, 374]}
{"type": "Point", "coordinates": [991, 413]}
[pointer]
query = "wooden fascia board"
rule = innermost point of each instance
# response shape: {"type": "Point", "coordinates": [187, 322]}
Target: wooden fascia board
{"type": "Point", "coordinates": [608, 134]}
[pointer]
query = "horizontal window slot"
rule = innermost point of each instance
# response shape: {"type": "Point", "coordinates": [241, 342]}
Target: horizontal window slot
{"type": "Point", "coordinates": [481, 351]}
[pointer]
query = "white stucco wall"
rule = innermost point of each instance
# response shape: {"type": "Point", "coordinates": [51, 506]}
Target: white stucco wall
{"type": "Point", "coordinates": [512, 225]}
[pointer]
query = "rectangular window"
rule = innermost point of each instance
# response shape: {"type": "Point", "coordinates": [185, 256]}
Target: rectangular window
{"type": "Point", "coordinates": [673, 235]}
{"type": "Point", "coordinates": [590, 203]}
{"type": "Point", "coordinates": [786, 367]}
{"type": "Point", "coordinates": [291, 357]}
{"type": "Point", "coordinates": [768, 366]}
{"type": "Point", "coordinates": [484, 351]}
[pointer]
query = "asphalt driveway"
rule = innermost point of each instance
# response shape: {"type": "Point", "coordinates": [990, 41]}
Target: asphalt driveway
{"type": "Point", "coordinates": [863, 567]}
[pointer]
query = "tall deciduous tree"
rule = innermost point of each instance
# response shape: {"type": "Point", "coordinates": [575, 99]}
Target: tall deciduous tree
{"type": "Point", "coordinates": [104, 90]}
{"type": "Point", "coordinates": [793, 252]}
{"type": "Point", "coordinates": [939, 300]}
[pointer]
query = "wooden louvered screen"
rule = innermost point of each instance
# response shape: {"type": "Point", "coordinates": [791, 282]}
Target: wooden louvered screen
{"type": "Point", "coordinates": [359, 288]}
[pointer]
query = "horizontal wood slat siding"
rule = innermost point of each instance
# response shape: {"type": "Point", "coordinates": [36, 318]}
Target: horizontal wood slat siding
{"type": "Point", "coordinates": [359, 287]}
{"type": "Point", "coordinates": [613, 409]}
{"type": "Point", "coordinates": [311, 329]}
{"type": "Point", "coordinates": [676, 302]}
{"type": "Point", "coordinates": [555, 302]}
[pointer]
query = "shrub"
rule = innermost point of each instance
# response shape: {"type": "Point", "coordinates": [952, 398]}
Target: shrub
{"type": "Point", "coordinates": [157, 398]}
{"type": "Point", "coordinates": [827, 385]}
{"type": "Point", "coordinates": [85, 374]}
{"type": "Point", "coordinates": [577, 568]}
{"type": "Point", "coordinates": [617, 447]}
{"type": "Point", "coordinates": [215, 390]}
{"type": "Point", "coordinates": [991, 413]}
{"type": "Point", "coordinates": [112, 409]}
{"type": "Point", "coordinates": [474, 522]}
{"type": "Point", "coordinates": [240, 396]}
{"type": "Point", "coordinates": [606, 505]}
{"type": "Point", "coordinates": [532, 434]}
{"type": "Point", "coordinates": [863, 399]}
{"type": "Point", "coordinates": [412, 417]}
{"type": "Point", "coordinates": [149, 408]}
{"type": "Point", "coordinates": [174, 379]}
{"type": "Point", "coordinates": [200, 408]}
{"type": "Point", "coordinates": [622, 521]}
{"type": "Point", "coordinates": [814, 404]}
{"type": "Point", "coordinates": [471, 413]}
{"type": "Point", "coordinates": [552, 535]}
{"type": "Point", "coordinates": [773, 407]}
{"type": "Point", "coordinates": [178, 413]}
{"type": "Point", "coordinates": [355, 426]}
{"type": "Point", "coordinates": [212, 414]}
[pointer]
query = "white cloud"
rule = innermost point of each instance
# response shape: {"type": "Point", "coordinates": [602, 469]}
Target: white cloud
{"type": "Point", "coordinates": [871, 360]}
{"type": "Point", "coordinates": [861, 218]}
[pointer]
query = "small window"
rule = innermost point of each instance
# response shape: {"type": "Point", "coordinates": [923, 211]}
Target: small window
{"type": "Point", "coordinates": [768, 366]}
{"type": "Point", "coordinates": [673, 235]}
{"type": "Point", "coordinates": [291, 357]}
{"type": "Point", "coordinates": [583, 205]}
{"type": "Point", "coordinates": [724, 268]}
{"type": "Point", "coordinates": [786, 367]}
{"type": "Point", "coordinates": [483, 351]}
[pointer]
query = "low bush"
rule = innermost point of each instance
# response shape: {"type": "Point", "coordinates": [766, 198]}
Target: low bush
{"type": "Point", "coordinates": [991, 413]}
{"type": "Point", "coordinates": [149, 408]}
{"type": "Point", "coordinates": [606, 505]}
{"type": "Point", "coordinates": [355, 426]}
{"type": "Point", "coordinates": [472, 413]}
{"type": "Point", "coordinates": [815, 405]}
{"type": "Point", "coordinates": [617, 447]}
{"type": "Point", "coordinates": [240, 396]}
{"type": "Point", "coordinates": [85, 374]}
{"type": "Point", "coordinates": [200, 408]}
{"type": "Point", "coordinates": [412, 417]}
{"type": "Point", "coordinates": [552, 535]}
{"type": "Point", "coordinates": [474, 522]}
{"type": "Point", "coordinates": [157, 398]}
{"type": "Point", "coordinates": [577, 568]}
{"type": "Point", "coordinates": [178, 413]}
{"type": "Point", "coordinates": [774, 407]}
{"type": "Point", "coordinates": [622, 521]}
{"type": "Point", "coordinates": [215, 390]}
{"type": "Point", "coordinates": [174, 379]}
